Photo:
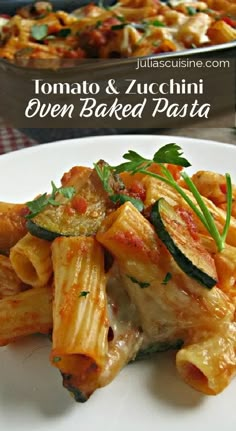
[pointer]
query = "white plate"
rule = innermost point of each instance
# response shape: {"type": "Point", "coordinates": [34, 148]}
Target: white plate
{"type": "Point", "coordinates": [145, 396]}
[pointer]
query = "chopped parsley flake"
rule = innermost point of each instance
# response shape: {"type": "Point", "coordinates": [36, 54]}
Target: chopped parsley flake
{"type": "Point", "coordinates": [84, 293]}
{"type": "Point", "coordinates": [191, 10]}
{"type": "Point", "coordinates": [39, 32]}
{"type": "Point", "coordinates": [167, 278]}
{"type": "Point", "coordinates": [141, 284]}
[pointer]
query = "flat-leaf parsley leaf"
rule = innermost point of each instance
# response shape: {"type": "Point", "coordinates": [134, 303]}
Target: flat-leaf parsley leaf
{"type": "Point", "coordinates": [39, 204]}
{"type": "Point", "coordinates": [39, 32]}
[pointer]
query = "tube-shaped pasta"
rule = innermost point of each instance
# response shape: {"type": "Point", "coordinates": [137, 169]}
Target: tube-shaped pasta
{"type": "Point", "coordinates": [85, 376]}
{"type": "Point", "coordinates": [25, 313]}
{"type": "Point", "coordinates": [156, 189]}
{"type": "Point", "coordinates": [12, 224]}
{"type": "Point", "coordinates": [132, 239]}
{"type": "Point", "coordinates": [225, 262]}
{"type": "Point", "coordinates": [219, 4]}
{"type": "Point", "coordinates": [10, 284]}
{"type": "Point", "coordinates": [76, 177]}
{"type": "Point", "coordinates": [124, 341]}
{"type": "Point", "coordinates": [221, 32]}
{"type": "Point", "coordinates": [31, 260]}
{"type": "Point", "coordinates": [138, 13]}
{"type": "Point", "coordinates": [212, 185]}
{"type": "Point", "coordinates": [80, 308]}
{"type": "Point", "coordinates": [209, 365]}
{"type": "Point", "coordinates": [193, 31]}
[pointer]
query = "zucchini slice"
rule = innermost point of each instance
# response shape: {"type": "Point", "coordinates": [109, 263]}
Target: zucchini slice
{"type": "Point", "coordinates": [158, 347]}
{"type": "Point", "coordinates": [67, 219]}
{"type": "Point", "coordinates": [189, 253]}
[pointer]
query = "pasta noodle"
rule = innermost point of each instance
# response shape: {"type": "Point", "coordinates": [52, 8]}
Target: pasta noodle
{"type": "Point", "coordinates": [12, 224]}
{"type": "Point", "coordinates": [225, 262]}
{"type": "Point", "coordinates": [10, 284]}
{"type": "Point", "coordinates": [80, 320]}
{"type": "Point", "coordinates": [193, 31]}
{"type": "Point", "coordinates": [26, 313]}
{"type": "Point", "coordinates": [220, 32]}
{"type": "Point", "coordinates": [31, 260]}
{"type": "Point", "coordinates": [213, 187]}
{"type": "Point", "coordinates": [209, 365]}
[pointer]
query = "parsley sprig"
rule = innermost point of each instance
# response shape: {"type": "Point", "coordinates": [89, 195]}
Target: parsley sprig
{"type": "Point", "coordinates": [39, 204]}
{"type": "Point", "coordinates": [105, 172]}
{"type": "Point", "coordinates": [172, 154]}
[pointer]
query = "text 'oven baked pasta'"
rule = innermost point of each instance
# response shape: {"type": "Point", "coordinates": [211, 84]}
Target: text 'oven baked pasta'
{"type": "Point", "coordinates": [118, 263]}
{"type": "Point", "coordinates": [129, 28]}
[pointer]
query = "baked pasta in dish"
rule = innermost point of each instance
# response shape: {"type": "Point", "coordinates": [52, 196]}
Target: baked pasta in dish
{"type": "Point", "coordinates": [121, 262]}
{"type": "Point", "coordinates": [129, 28]}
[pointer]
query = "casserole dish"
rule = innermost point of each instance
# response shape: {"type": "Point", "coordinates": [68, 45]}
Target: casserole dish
{"type": "Point", "coordinates": [126, 29]}
{"type": "Point", "coordinates": [16, 79]}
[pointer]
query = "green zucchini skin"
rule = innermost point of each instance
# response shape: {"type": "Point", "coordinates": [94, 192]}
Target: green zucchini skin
{"type": "Point", "coordinates": [190, 268]}
{"type": "Point", "coordinates": [160, 346]}
{"type": "Point", "coordinates": [41, 232]}
{"type": "Point", "coordinates": [4, 252]}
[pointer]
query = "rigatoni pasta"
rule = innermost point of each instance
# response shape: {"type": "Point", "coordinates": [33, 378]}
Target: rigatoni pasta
{"type": "Point", "coordinates": [12, 224]}
{"type": "Point", "coordinates": [220, 32]}
{"type": "Point", "coordinates": [131, 239]}
{"type": "Point", "coordinates": [31, 260]}
{"type": "Point", "coordinates": [209, 365]}
{"type": "Point", "coordinates": [225, 262]}
{"type": "Point", "coordinates": [10, 284]}
{"type": "Point", "coordinates": [193, 31]}
{"type": "Point", "coordinates": [26, 313]}
{"type": "Point", "coordinates": [80, 343]}
{"type": "Point", "coordinates": [80, 304]}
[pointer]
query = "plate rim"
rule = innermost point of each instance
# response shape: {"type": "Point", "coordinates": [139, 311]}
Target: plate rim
{"type": "Point", "coordinates": [83, 139]}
